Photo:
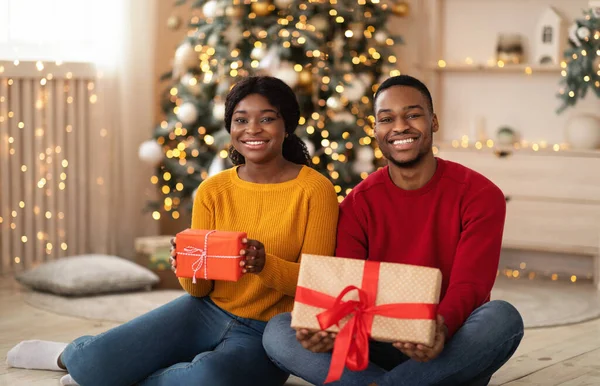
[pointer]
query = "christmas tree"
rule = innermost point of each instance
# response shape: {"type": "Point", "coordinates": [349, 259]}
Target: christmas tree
{"type": "Point", "coordinates": [581, 68]}
{"type": "Point", "coordinates": [332, 53]}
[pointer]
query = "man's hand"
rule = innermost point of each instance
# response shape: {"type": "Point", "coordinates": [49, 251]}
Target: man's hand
{"type": "Point", "coordinates": [318, 342]}
{"type": "Point", "coordinates": [421, 353]}
{"type": "Point", "coordinates": [254, 256]}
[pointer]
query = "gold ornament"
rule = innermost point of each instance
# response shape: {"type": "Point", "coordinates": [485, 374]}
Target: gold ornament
{"type": "Point", "coordinates": [305, 78]}
{"type": "Point", "coordinates": [401, 9]}
{"type": "Point", "coordinates": [174, 22]}
{"type": "Point", "coordinates": [261, 8]}
{"type": "Point", "coordinates": [234, 11]}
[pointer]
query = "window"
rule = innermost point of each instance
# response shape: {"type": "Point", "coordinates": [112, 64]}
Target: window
{"type": "Point", "coordinates": [50, 30]}
{"type": "Point", "coordinates": [547, 35]}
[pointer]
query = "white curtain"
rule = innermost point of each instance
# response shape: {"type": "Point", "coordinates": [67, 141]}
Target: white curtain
{"type": "Point", "coordinates": [125, 88]}
{"type": "Point", "coordinates": [88, 118]}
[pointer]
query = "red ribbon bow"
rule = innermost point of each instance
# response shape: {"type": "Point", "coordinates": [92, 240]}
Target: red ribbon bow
{"type": "Point", "coordinates": [351, 346]}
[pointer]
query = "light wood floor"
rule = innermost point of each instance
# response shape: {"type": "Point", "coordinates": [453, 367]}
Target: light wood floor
{"type": "Point", "coordinates": [568, 355]}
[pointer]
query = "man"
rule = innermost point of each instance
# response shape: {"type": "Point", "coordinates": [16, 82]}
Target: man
{"type": "Point", "coordinates": [426, 211]}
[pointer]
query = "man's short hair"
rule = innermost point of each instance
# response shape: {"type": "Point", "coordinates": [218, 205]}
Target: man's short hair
{"type": "Point", "coordinates": [408, 81]}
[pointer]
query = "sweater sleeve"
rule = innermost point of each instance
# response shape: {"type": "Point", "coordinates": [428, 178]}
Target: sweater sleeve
{"type": "Point", "coordinates": [202, 218]}
{"type": "Point", "coordinates": [352, 239]}
{"type": "Point", "coordinates": [319, 239]}
{"type": "Point", "coordinates": [477, 257]}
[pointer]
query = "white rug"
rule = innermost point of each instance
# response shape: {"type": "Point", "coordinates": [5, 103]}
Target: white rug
{"type": "Point", "coordinates": [541, 303]}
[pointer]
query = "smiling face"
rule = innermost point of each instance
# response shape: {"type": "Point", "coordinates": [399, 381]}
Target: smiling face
{"type": "Point", "coordinates": [404, 125]}
{"type": "Point", "coordinates": [257, 130]}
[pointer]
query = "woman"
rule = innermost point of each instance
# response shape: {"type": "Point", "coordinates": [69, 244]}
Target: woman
{"type": "Point", "coordinates": [214, 336]}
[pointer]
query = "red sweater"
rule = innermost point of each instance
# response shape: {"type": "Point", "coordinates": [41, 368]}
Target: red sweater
{"type": "Point", "coordinates": [454, 222]}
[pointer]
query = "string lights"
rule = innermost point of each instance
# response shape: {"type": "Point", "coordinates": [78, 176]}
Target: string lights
{"type": "Point", "coordinates": [494, 65]}
{"type": "Point", "coordinates": [466, 143]}
{"type": "Point", "coordinates": [42, 109]}
{"type": "Point", "coordinates": [523, 273]}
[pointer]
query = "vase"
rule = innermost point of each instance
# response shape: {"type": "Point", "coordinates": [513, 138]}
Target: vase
{"type": "Point", "coordinates": [583, 132]}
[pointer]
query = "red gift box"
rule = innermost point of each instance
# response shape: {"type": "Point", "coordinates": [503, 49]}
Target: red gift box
{"type": "Point", "coordinates": [209, 254]}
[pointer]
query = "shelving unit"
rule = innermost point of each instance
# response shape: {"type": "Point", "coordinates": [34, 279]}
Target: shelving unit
{"type": "Point", "coordinates": [506, 69]}
{"type": "Point", "coordinates": [552, 191]}
{"type": "Point", "coordinates": [543, 150]}
{"type": "Point", "coordinates": [457, 63]}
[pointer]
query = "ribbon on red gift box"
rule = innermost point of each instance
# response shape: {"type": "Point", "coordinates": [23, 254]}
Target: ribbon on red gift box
{"type": "Point", "coordinates": [351, 346]}
{"type": "Point", "coordinates": [202, 254]}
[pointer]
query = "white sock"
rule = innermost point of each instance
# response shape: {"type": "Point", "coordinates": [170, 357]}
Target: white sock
{"type": "Point", "coordinates": [68, 380]}
{"type": "Point", "coordinates": [36, 354]}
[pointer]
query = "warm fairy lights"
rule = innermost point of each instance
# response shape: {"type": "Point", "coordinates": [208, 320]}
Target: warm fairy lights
{"type": "Point", "coordinates": [466, 143]}
{"type": "Point", "coordinates": [523, 274]}
{"type": "Point", "coordinates": [36, 157]}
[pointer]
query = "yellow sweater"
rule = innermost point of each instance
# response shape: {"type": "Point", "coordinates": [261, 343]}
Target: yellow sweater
{"type": "Point", "coordinates": [289, 218]}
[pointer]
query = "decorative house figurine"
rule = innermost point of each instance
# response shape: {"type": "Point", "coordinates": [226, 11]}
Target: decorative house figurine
{"type": "Point", "coordinates": [549, 38]}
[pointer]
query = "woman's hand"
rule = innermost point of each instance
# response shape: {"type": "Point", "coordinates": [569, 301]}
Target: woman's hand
{"type": "Point", "coordinates": [254, 256]}
{"type": "Point", "coordinates": [173, 257]}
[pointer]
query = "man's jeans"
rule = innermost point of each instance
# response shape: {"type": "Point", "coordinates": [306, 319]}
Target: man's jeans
{"type": "Point", "coordinates": [481, 346]}
{"type": "Point", "coordinates": [189, 341]}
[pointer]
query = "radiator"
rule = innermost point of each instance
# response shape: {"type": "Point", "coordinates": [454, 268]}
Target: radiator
{"type": "Point", "coordinates": [45, 117]}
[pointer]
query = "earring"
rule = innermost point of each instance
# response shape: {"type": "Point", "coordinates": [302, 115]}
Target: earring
{"type": "Point", "coordinates": [287, 135]}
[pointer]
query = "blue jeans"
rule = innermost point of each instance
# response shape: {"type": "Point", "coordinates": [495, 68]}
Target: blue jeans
{"type": "Point", "coordinates": [479, 348]}
{"type": "Point", "coordinates": [189, 341]}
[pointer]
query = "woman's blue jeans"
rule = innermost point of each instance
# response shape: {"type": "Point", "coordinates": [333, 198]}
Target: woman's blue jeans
{"type": "Point", "coordinates": [189, 341]}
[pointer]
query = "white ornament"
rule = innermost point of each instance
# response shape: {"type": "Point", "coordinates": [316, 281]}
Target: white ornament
{"type": "Point", "coordinates": [150, 152]}
{"type": "Point", "coordinates": [334, 103]}
{"type": "Point", "coordinates": [344, 117]}
{"type": "Point", "coordinates": [356, 88]}
{"type": "Point", "coordinates": [210, 9]}
{"type": "Point", "coordinates": [185, 58]}
{"type": "Point", "coordinates": [549, 38]}
{"type": "Point", "coordinates": [360, 167]}
{"type": "Point", "coordinates": [216, 166]}
{"type": "Point", "coordinates": [573, 35]}
{"type": "Point", "coordinates": [213, 40]}
{"type": "Point", "coordinates": [283, 4]}
{"type": "Point", "coordinates": [223, 87]}
{"type": "Point", "coordinates": [365, 153]}
{"type": "Point", "coordinates": [287, 73]}
{"type": "Point", "coordinates": [219, 111]}
{"type": "Point", "coordinates": [187, 113]}
{"type": "Point", "coordinates": [596, 10]}
{"type": "Point", "coordinates": [271, 61]}
{"type": "Point", "coordinates": [364, 160]}
{"type": "Point", "coordinates": [310, 146]}
{"type": "Point", "coordinates": [233, 35]}
{"type": "Point", "coordinates": [380, 37]}
{"type": "Point", "coordinates": [320, 22]}
{"type": "Point", "coordinates": [583, 32]}
{"type": "Point", "coordinates": [258, 53]}
{"type": "Point", "coordinates": [191, 83]}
